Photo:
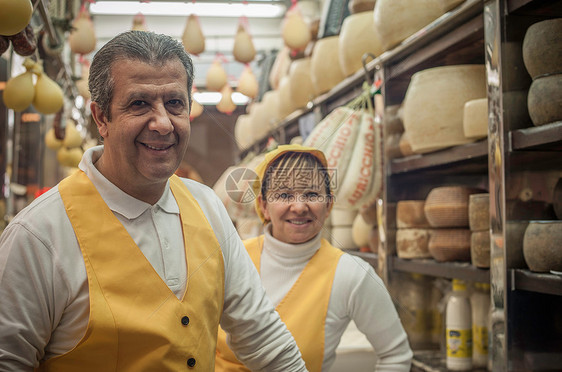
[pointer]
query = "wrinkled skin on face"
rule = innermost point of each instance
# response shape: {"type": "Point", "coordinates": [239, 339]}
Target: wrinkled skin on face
{"type": "Point", "coordinates": [147, 136]}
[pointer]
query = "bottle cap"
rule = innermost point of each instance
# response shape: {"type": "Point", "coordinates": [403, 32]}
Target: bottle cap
{"type": "Point", "coordinates": [459, 285]}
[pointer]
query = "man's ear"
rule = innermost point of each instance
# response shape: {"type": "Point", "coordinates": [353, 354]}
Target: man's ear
{"type": "Point", "coordinates": [99, 118]}
{"type": "Point", "coordinates": [263, 204]}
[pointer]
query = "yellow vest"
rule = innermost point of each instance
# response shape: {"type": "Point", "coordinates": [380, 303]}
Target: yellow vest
{"type": "Point", "coordinates": [136, 322]}
{"type": "Point", "coordinates": [303, 309]}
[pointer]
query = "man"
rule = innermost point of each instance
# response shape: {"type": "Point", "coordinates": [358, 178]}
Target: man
{"type": "Point", "coordinates": [122, 266]}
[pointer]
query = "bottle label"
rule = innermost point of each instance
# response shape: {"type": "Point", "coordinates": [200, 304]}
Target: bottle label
{"type": "Point", "coordinates": [480, 339]}
{"type": "Point", "coordinates": [459, 343]}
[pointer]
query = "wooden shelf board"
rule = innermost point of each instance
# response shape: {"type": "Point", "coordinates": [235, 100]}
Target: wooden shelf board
{"type": "Point", "coordinates": [448, 156]}
{"type": "Point", "coordinates": [536, 282]}
{"type": "Point", "coordinates": [543, 136]}
{"type": "Point", "coordinates": [451, 270]}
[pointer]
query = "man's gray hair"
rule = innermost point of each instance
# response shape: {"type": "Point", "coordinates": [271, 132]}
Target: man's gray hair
{"type": "Point", "coordinates": [148, 47]}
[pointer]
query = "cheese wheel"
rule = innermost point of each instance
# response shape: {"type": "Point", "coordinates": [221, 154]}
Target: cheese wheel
{"type": "Point", "coordinates": [475, 118]}
{"type": "Point", "coordinates": [434, 103]}
{"type": "Point", "coordinates": [412, 243]}
{"type": "Point", "coordinates": [450, 244]}
{"type": "Point", "coordinates": [447, 206]}
{"type": "Point", "coordinates": [480, 249]}
{"type": "Point", "coordinates": [541, 246]}
{"type": "Point", "coordinates": [410, 214]}
{"type": "Point", "coordinates": [326, 71]}
{"type": "Point", "coordinates": [357, 37]}
{"type": "Point", "coordinates": [300, 86]}
{"type": "Point", "coordinates": [285, 101]}
{"type": "Point", "coordinates": [479, 212]}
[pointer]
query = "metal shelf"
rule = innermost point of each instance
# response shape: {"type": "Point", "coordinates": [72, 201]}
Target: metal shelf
{"type": "Point", "coordinates": [526, 280]}
{"type": "Point", "coordinates": [544, 137]}
{"type": "Point", "coordinates": [451, 270]}
{"type": "Point", "coordinates": [450, 156]}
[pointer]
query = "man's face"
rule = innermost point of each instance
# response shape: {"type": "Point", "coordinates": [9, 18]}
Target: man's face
{"type": "Point", "coordinates": [149, 130]}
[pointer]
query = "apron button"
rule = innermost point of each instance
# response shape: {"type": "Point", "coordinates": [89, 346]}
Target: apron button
{"type": "Point", "coordinates": [185, 320]}
{"type": "Point", "coordinates": [191, 362]}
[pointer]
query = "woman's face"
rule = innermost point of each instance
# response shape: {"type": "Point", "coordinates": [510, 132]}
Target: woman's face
{"type": "Point", "coordinates": [297, 212]}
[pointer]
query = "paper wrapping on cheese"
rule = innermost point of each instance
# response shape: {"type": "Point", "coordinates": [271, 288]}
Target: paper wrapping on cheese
{"type": "Point", "coordinates": [363, 178]}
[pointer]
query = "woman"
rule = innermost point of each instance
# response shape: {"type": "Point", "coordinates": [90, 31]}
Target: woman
{"type": "Point", "coordinates": [316, 288]}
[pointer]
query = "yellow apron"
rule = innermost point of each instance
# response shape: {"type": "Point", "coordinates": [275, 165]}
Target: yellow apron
{"type": "Point", "coordinates": [136, 322]}
{"type": "Point", "coordinates": [303, 309]}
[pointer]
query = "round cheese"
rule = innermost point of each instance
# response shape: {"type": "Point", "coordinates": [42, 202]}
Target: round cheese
{"type": "Point", "coordinates": [410, 213]}
{"type": "Point", "coordinates": [475, 118]}
{"type": "Point", "coordinates": [447, 206]}
{"type": "Point", "coordinates": [450, 244]}
{"type": "Point", "coordinates": [412, 243]}
{"type": "Point", "coordinates": [480, 249]}
{"type": "Point", "coordinates": [479, 212]}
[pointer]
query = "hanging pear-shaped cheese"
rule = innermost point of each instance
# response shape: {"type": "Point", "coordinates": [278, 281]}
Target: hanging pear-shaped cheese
{"type": "Point", "coordinates": [193, 39]}
{"type": "Point", "coordinates": [82, 83]}
{"type": "Point", "coordinates": [295, 32]}
{"type": "Point", "coordinates": [216, 76]}
{"type": "Point", "coordinates": [51, 141]}
{"type": "Point", "coordinates": [244, 50]}
{"type": "Point", "coordinates": [226, 105]}
{"type": "Point", "coordinates": [139, 23]}
{"type": "Point", "coordinates": [72, 137]}
{"type": "Point", "coordinates": [248, 84]}
{"type": "Point", "coordinates": [48, 97]}
{"type": "Point", "coordinates": [196, 110]}
{"type": "Point", "coordinates": [82, 38]}
{"type": "Point", "coordinates": [69, 157]}
{"type": "Point", "coordinates": [19, 91]}
{"type": "Point", "coordinates": [15, 15]}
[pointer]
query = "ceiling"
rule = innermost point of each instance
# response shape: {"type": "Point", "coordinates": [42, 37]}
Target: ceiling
{"type": "Point", "coordinates": [219, 35]}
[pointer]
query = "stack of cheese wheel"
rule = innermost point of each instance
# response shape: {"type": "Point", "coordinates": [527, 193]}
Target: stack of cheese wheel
{"type": "Point", "coordinates": [412, 235]}
{"type": "Point", "coordinates": [446, 210]}
{"type": "Point", "coordinates": [342, 227]}
{"type": "Point", "coordinates": [434, 103]}
{"type": "Point", "coordinates": [479, 223]}
{"type": "Point", "coordinates": [542, 55]}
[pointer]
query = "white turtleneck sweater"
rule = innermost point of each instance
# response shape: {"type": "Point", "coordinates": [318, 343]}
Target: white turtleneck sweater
{"type": "Point", "coordinates": [358, 294]}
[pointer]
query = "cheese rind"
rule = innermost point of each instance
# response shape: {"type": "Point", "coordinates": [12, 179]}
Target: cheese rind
{"type": "Point", "coordinates": [412, 243]}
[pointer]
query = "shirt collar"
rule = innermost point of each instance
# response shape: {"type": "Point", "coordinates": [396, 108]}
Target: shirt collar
{"type": "Point", "coordinates": [115, 198]}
